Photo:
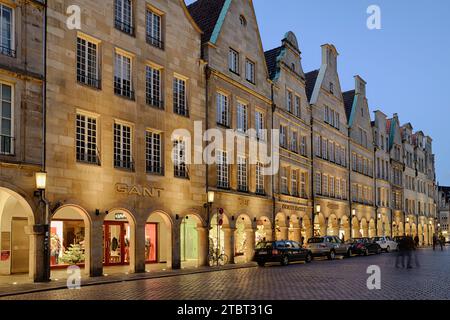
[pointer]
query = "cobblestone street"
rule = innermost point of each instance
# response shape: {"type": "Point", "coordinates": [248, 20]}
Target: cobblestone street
{"type": "Point", "coordinates": [340, 279]}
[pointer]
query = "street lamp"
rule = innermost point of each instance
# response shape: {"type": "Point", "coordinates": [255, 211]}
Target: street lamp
{"type": "Point", "coordinates": [41, 185]}
{"type": "Point", "coordinates": [41, 181]}
{"type": "Point", "coordinates": [211, 196]}
{"type": "Point", "coordinates": [208, 206]}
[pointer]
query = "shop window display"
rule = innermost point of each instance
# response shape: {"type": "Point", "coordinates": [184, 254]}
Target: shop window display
{"type": "Point", "coordinates": [216, 237]}
{"type": "Point", "coordinates": [67, 243]}
{"type": "Point", "coordinates": [189, 240]}
{"type": "Point", "coordinates": [241, 238]}
{"type": "Point", "coordinates": [151, 236]}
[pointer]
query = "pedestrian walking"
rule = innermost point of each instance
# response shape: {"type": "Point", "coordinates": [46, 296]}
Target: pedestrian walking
{"type": "Point", "coordinates": [442, 242]}
{"type": "Point", "coordinates": [434, 242]}
{"type": "Point", "coordinates": [409, 247]}
{"type": "Point", "coordinates": [416, 241]}
{"type": "Point", "coordinates": [400, 259]}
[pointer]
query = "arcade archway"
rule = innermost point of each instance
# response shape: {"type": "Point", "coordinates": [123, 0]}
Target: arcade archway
{"type": "Point", "coordinates": [158, 239]}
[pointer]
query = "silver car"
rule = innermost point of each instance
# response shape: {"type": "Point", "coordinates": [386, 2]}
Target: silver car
{"type": "Point", "coordinates": [386, 243]}
{"type": "Point", "coordinates": [328, 246]}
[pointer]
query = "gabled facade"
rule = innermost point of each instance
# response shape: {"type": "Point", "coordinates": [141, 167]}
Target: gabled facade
{"type": "Point", "coordinates": [361, 152]}
{"type": "Point", "coordinates": [238, 99]}
{"type": "Point", "coordinates": [292, 115]}
{"type": "Point", "coordinates": [330, 148]}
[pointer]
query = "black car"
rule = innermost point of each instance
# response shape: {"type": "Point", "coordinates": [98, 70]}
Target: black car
{"type": "Point", "coordinates": [363, 246]}
{"type": "Point", "coordinates": [282, 252]}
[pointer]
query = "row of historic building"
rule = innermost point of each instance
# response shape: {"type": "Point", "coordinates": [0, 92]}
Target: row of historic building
{"type": "Point", "coordinates": [98, 110]}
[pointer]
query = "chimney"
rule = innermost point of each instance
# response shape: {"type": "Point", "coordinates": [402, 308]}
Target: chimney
{"type": "Point", "coordinates": [360, 86]}
{"type": "Point", "coordinates": [329, 56]}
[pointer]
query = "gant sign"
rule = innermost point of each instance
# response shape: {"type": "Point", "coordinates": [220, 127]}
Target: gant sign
{"type": "Point", "coordinates": [140, 191]}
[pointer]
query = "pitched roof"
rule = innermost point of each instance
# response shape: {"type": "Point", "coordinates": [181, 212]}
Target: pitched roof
{"type": "Point", "coordinates": [271, 60]}
{"type": "Point", "coordinates": [311, 78]}
{"type": "Point", "coordinates": [206, 13]}
{"type": "Point", "coordinates": [349, 97]}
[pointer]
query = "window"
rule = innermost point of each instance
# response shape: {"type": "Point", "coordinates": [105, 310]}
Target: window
{"type": "Point", "coordinates": [243, 21]}
{"type": "Point", "coordinates": [153, 152]}
{"type": "Point", "coordinates": [6, 123]}
{"type": "Point", "coordinates": [317, 145]}
{"type": "Point", "coordinates": [122, 147]}
{"type": "Point", "coordinates": [332, 87]}
{"type": "Point", "coordinates": [7, 31]}
{"type": "Point", "coordinates": [154, 29]}
{"type": "Point", "coordinates": [298, 107]}
{"type": "Point", "coordinates": [260, 189]}
{"type": "Point", "coordinates": [331, 151]}
{"type": "Point", "coordinates": [124, 16]}
{"type": "Point", "coordinates": [338, 121]}
{"type": "Point", "coordinates": [242, 174]}
{"type": "Point", "coordinates": [325, 185]}
{"type": "Point", "coordinates": [344, 189]}
{"type": "Point", "coordinates": [338, 189]}
{"type": "Point", "coordinates": [326, 114]}
{"type": "Point", "coordinates": [318, 183]}
{"type": "Point", "coordinates": [283, 137]}
{"type": "Point", "coordinates": [250, 71]}
{"type": "Point", "coordinates": [303, 146]}
{"type": "Point", "coordinates": [179, 97]}
{"type": "Point", "coordinates": [86, 139]}
{"type": "Point", "coordinates": [153, 87]}
{"type": "Point", "coordinates": [294, 183]}
{"type": "Point", "coordinates": [324, 148]}
{"type": "Point", "coordinates": [284, 181]}
{"type": "Point", "coordinates": [122, 76]}
{"type": "Point", "coordinates": [179, 159]}
{"type": "Point", "coordinates": [87, 63]}
{"type": "Point", "coordinates": [303, 182]}
{"type": "Point", "coordinates": [259, 120]}
{"type": "Point", "coordinates": [233, 61]}
{"type": "Point", "coordinates": [294, 141]}
{"type": "Point", "coordinates": [223, 180]}
{"type": "Point", "coordinates": [223, 112]}
{"type": "Point", "coordinates": [332, 190]}
{"type": "Point", "coordinates": [242, 123]}
{"type": "Point", "coordinates": [289, 101]}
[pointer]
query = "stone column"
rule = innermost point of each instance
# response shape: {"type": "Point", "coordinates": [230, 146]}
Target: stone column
{"type": "Point", "coordinates": [250, 247]}
{"type": "Point", "coordinates": [176, 245]}
{"type": "Point", "coordinates": [96, 249]}
{"type": "Point", "coordinates": [38, 271]}
{"type": "Point", "coordinates": [229, 243]}
{"type": "Point", "coordinates": [203, 250]}
{"type": "Point", "coordinates": [284, 233]}
{"type": "Point", "coordinates": [140, 248]}
{"type": "Point", "coordinates": [297, 231]}
{"type": "Point", "coordinates": [326, 226]}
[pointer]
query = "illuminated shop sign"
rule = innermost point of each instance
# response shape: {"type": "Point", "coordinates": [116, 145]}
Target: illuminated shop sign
{"type": "Point", "coordinates": [140, 191]}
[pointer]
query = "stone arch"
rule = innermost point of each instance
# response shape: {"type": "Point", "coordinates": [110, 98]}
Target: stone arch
{"type": "Point", "coordinates": [372, 229]}
{"type": "Point", "coordinates": [319, 225]}
{"type": "Point", "coordinates": [306, 229]}
{"type": "Point", "coordinates": [294, 231]}
{"type": "Point", "coordinates": [344, 228]}
{"type": "Point", "coordinates": [159, 238]}
{"type": "Point", "coordinates": [71, 225]}
{"type": "Point", "coordinates": [356, 226]}
{"type": "Point", "coordinates": [193, 239]}
{"type": "Point", "coordinates": [17, 218]}
{"type": "Point", "coordinates": [333, 225]}
{"type": "Point", "coordinates": [281, 227]}
{"type": "Point", "coordinates": [263, 230]}
{"type": "Point", "coordinates": [244, 239]}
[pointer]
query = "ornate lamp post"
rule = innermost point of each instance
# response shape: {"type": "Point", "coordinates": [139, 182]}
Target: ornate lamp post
{"type": "Point", "coordinates": [41, 185]}
{"type": "Point", "coordinates": [208, 206]}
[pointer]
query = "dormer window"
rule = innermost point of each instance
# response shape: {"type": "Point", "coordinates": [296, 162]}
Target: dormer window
{"type": "Point", "coordinates": [243, 21]}
{"type": "Point", "coordinates": [293, 67]}
{"type": "Point", "coordinates": [332, 87]}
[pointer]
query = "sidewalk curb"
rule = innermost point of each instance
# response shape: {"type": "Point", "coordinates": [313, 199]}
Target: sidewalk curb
{"type": "Point", "coordinates": [144, 276]}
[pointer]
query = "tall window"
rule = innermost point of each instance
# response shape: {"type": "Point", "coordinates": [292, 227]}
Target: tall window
{"type": "Point", "coordinates": [284, 181]}
{"type": "Point", "coordinates": [242, 122]}
{"type": "Point", "coordinates": [325, 185]}
{"type": "Point", "coordinates": [6, 123]}
{"type": "Point", "coordinates": [344, 189]}
{"type": "Point", "coordinates": [86, 139]}
{"type": "Point", "coordinates": [294, 183]}
{"type": "Point", "coordinates": [87, 63]}
{"type": "Point", "coordinates": [179, 97]}
{"type": "Point", "coordinates": [7, 31]}
{"type": "Point", "coordinates": [122, 146]}
{"type": "Point", "coordinates": [223, 110]}
{"type": "Point", "coordinates": [153, 152]}
{"type": "Point", "coordinates": [303, 182]}
{"type": "Point", "coordinates": [332, 190]}
{"type": "Point", "coordinates": [223, 179]}
{"type": "Point", "coordinates": [260, 188]}
{"type": "Point", "coordinates": [153, 87]}
{"type": "Point", "coordinates": [233, 61]}
{"type": "Point", "coordinates": [294, 141]}
{"type": "Point", "coordinates": [283, 136]}
{"type": "Point", "coordinates": [179, 158]}
{"type": "Point", "coordinates": [242, 174]}
{"type": "Point", "coordinates": [318, 183]}
{"type": "Point", "coordinates": [154, 29]}
{"type": "Point", "coordinates": [250, 71]}
{"type": "Point", "coordinates": [259, 121]}
{"type": "Point", "coordinates": [338, 189]}
{"type": "Point", "coordinates": [298, 107]}
{"type": "Point", "coordinates": [124, 16]}
{"type": "Point", "coordinates": [122, 76]}
{"type": "Point", "coordinates": [303, 145]}
{"type": "Point", "coordinates": [289, 101]}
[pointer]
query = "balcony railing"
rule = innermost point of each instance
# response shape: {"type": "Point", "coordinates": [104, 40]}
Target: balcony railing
{"type": "Point", "coordinates": [89, 81]}
{"type": "Point", "coordinates": [124, 26]}
{"type": "Point", "coordinates": [126, 164]}
{"type": "Point", "coordinates": [6, 145]}
{"type": "Point", "coordinates": [157, 170]}
{"type": "Point", "coordinates": [123, 90]}
{"type": "Point", "coordinates": [158, 43]}
{"type": "Point", "coordinates": [181, 110]}
{"type": "Point", "coordinates": [88, 158]}
{"type": "Point", "coordinates": [157, 103]}
{"type": "Point", "coordinates": [8, 51]}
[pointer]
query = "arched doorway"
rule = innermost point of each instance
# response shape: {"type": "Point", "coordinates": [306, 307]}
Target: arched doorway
{"type": "Point", "coordinates": [400, 227]}
{"type": "Point", "coordinates": [372, 229]}
{"type": "Point", "coordinates": [244, 240]}
{"type": "Point", "coordinates": [333, 226]}
{"type": "Point", "coordinates": [119, 239]}
{"type": "Point", "coordinates": [364, 228]}
{"type": "Point", "coordinates": [217, 240]}
{"type": "Point", "coordinates": [319, 225]}
{"type": "Point", "coordinates": [356, 228]}
{"type": "Point", "coordinates": [294, 228]}
{"type": "Point", "coordinates": [263, 230]}
{"type": "Point", "coordinates": [190, 241]}
{"type": "Point", "coordinates": [344, 229]}
{"type": "Point", "coordinates": [70, 233]}
{"type": "Point", "coordinates": [16, 223]}
{"type": "Point", "coordinates": [420, 234]}
{"type": "Point", "coordinates": [158, 239]}
{"type": "Point", "coordinates": [386, 226]}
{"type": "Point", "coordinates": [281, 227]}
{"type": "Point", "coordinates": [413, 230]}
{"type": "Point", "coordinates": [306, 229]}
{"type": "Point", "coordinates": [407, 229]}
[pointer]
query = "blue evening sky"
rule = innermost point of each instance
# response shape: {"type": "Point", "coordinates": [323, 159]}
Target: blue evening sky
{"type": "Point", "coordinates": [406, 64]}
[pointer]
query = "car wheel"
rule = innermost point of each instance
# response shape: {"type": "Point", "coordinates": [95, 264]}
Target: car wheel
{"type": "Point", "coordinates": [388, 249]}
{"type": "Point", "coordinates": [309, 258]}
{"type": "Point", "coordinates": [379, 250]}
{"type": "Point", "coordinates": [366, 252]}
{"type": "Point", "coordinates": [349, 253]}
{"type": "Point", "coordinates": [285, 261]}
{"type": "Point", "coordinates": [331, 255]}
{"type": "Point", "coordinates": [261, 264]}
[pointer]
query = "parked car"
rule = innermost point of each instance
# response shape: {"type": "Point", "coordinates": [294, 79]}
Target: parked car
{"type": "Point", "coordinates": [386, 243]}
{"type": "Point", "coordinates": [329, 246]}
{"type": "Point", "coordinates": [363, 246]}
{"type": "Point", "coordinates": [282, 252]}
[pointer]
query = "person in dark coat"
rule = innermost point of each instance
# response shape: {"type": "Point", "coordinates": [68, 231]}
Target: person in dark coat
{"type": "Point", "coordinates": [417, 241]}
{"type": "Point", "coordinates": [401, 252]}
{"type": "Point", "coordinates": [435, 239]}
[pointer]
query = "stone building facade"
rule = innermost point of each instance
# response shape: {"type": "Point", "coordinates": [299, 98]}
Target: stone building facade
{"type": "Point", "coordinates": [21, 133]}
{"type": "Point", "coordinates": [444, 211]}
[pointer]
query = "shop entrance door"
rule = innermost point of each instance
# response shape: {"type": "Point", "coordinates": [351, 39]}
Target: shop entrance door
{"type": "Point", "coordinates": [116, 243]}
{"type": "Point", "coordinates": [20, 246]}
